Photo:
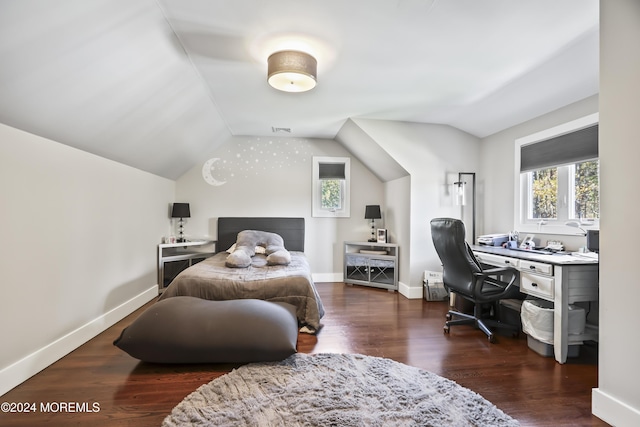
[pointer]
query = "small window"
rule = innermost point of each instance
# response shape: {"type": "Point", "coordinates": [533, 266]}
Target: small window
{"type": "Point", "coordinates": [331, 186]}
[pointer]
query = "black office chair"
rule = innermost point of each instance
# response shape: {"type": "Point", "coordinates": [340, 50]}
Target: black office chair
{"type": "Point", "coordinates": [464, 275]}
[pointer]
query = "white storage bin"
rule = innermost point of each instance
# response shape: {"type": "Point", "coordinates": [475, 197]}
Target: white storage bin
{"type": "Point", "coordinates": [537, 323]}
{"type": "Point", "coordinates": [537, 320]}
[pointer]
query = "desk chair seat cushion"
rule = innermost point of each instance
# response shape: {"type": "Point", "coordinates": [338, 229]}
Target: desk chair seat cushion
{"type": "Point", "coordinates": [193, 330]}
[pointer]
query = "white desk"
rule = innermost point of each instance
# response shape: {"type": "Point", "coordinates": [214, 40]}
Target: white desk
{"type": "Point", "coordinates": [563, 279]}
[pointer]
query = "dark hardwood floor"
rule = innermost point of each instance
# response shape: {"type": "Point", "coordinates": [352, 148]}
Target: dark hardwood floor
{"type": "Point", "coordinates": [533, 389]}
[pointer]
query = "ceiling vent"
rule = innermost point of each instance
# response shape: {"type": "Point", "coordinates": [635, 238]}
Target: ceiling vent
{"type": "Point", "coordinates": [276, 130]}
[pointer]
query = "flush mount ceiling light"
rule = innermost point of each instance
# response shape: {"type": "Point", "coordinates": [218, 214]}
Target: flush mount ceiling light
{"type": "Point", "coordinates": [292, 71]}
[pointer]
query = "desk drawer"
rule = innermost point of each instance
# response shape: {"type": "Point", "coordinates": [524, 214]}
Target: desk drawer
{"type": "Point", "coordinates": [536, 267]}
{"type": "Point", "coordinates": [497, 260]}
{"type": "Point", "coordinates": [537, 285]}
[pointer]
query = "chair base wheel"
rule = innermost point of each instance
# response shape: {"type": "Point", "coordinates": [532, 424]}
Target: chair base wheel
{"type": "Point", "coordinates": [446, 329]}
{"type": "Point", "coordinates": [492, 339]}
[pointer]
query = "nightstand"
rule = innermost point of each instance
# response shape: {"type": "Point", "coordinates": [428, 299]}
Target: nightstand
{"type": "Point", "coordinates": [371, 264]}
{"type": "Point", "coordinates": [192, 252]}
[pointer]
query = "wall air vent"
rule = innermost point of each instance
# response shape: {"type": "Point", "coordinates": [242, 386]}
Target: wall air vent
{"type": "Point", "coordinates": [276, 130]}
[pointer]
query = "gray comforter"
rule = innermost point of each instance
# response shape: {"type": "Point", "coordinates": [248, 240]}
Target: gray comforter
{"type": "Point", "coordinates": [211, 279]}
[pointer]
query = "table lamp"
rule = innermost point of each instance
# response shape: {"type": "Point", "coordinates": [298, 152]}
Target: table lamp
{"type": "Point", "coordinates": [180, 210]}
{"type": "Point", "coordinates": [372, 212]}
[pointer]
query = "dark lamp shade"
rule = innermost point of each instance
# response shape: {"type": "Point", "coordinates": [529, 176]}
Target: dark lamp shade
{"type": "Point", "coordinates": [372, 212]}
{"type": "Point", "coordinates": [180, 210]}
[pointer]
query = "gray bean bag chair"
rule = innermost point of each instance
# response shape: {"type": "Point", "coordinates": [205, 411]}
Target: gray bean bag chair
{"type": "Point", "coordinates": [193, 330]}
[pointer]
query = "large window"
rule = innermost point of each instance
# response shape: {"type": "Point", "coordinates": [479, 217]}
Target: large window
{"type": "Point", "coordinates": [558, 175]}
{"type": "Point", "coordinates": [331, 186]}
{"type": "Point", "coordinates": [563, 193]}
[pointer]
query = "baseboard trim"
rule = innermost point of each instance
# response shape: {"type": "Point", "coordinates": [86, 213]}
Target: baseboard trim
{"type": "Point", "coordinates": [20, 371]}
{"type": "Point", "coordinates": [613, 411]}
{"type": "Point", "coordinates": [410, 292]}
{"type": "Point", "coordinates": [327, 277]}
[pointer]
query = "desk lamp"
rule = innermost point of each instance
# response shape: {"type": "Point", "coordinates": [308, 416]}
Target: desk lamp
{"type": "Point", "coordinates": [372, 212]}
{"type": "Point", "coordinates": [180, 210]}
{"type": "Point", "coordinates": [576, 224]}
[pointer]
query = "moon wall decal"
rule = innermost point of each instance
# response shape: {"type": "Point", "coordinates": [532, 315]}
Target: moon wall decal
{"type": "Point", "coordinates": [207, 169]}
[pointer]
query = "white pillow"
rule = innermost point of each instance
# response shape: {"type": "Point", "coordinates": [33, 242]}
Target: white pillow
{"type": "Point", "coordinates": [258, 249]}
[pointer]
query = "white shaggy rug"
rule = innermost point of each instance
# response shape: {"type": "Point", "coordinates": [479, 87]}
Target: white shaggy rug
{"type": "Point", "coordinates": [334, 390]}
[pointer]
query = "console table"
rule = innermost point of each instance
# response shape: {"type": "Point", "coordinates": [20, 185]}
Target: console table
{"type": "Point", "coordinates": [371, 264]}
{"type": "Point", "coordinates": [191, 251]}
{"type": "Point", "coordinates": [562, 279]}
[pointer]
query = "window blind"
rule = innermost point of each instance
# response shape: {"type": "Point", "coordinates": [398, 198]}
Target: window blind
{"type": "Point", "coordinates": [565, 149]}
{"type": "Point", "coordinates": [331, 171]}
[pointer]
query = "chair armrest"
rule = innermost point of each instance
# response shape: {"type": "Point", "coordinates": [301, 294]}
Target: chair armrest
{"type": "Point", "coordinates": [497, 270]}
{"type": "Point", "coordinates": [485, 274]}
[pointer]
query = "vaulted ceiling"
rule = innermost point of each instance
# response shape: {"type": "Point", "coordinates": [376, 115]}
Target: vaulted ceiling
{"type": "Point", "coordinates": [158, 84]}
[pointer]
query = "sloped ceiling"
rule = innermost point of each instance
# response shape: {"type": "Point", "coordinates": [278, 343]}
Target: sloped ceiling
{"type": "Point", "coordinates": [159, 84]}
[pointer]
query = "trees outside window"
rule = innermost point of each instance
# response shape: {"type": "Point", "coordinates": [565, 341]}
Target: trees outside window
{"type": "Point", "coordinates": [544, 189]}
{"type": "Point", "coordinates": [332, 194]}
{"type": "Point", "coordinates": [564, 193]}
{"type": "Point", "coordinates": [586, 188]}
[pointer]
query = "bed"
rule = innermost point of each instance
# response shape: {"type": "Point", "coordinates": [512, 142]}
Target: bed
{"type": "Point", "coordinates": [211, 279]}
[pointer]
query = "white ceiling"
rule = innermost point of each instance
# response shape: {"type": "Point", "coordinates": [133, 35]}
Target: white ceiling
{"type": "Point", "coordinates": [159, 84]}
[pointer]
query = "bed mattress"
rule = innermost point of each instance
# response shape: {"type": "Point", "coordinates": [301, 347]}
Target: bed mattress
{"type": "Point", "coordinates": [212, 280]}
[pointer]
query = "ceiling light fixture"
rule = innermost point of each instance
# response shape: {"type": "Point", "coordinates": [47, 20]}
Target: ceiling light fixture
{"type": "Point", "coordinates": [292, 71]}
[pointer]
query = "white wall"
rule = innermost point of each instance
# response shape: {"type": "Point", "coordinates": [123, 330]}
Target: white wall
{"type": "Point", "coordinates": [616, 400]}
{"type": "Point", "coordinates": [272, 177]}
{"type": "Point", "coordinates": [432, 155]}
{"type": "Point", "coordinates": [397, 221]}
{"type": "Point", "coordinates": [80, 235]}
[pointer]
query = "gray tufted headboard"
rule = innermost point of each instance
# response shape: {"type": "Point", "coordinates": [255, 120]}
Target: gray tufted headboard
{"type": "Point", "coordinates": [291, 230]}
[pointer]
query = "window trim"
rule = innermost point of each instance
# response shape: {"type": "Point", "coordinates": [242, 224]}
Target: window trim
{"type": "Point", "coordinates": [316, 193]}
{"type": "Point", "coordinates": [520, 221]}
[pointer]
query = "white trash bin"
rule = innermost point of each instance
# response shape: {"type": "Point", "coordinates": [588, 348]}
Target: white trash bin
{"type": "Point", "coordinates": [537, 323]}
